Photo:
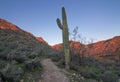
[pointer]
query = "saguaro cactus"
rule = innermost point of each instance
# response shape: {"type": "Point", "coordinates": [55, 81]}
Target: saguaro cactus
{"type": "Point", "coordinates": [64, 27]}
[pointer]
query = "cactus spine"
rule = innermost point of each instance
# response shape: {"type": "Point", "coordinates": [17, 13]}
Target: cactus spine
{"type": "Point", "coordinates": [64, 27]}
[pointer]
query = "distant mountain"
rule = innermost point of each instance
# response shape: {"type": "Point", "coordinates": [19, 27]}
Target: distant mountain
{"type": "Point", "coordinates": [19, 51]}
{"type": "Point", "coordinates": [58, 47]}
{"type": "Point", "coordinates": [108, 48]}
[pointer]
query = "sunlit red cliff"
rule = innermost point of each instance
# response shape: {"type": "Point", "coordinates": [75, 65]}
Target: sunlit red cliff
{"type": "Point", "coordinates": [110, 47]}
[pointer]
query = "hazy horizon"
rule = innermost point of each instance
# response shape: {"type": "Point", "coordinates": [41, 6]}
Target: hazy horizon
{"type": "Point", "coordinates": [97, 19]}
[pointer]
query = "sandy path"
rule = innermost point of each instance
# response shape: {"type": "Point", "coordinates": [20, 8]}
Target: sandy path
{"type": "Point", "coordinates": [52, 72]}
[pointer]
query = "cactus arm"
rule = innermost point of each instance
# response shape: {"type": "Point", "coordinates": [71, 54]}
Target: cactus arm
{"type": "Point", "coordinates": [59, 23]}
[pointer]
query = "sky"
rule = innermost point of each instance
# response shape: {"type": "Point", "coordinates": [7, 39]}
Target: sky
{"type": "Point", "coordinates": [96, 19]}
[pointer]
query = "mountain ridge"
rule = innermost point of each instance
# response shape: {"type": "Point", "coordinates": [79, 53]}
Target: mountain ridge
{"type": "Point", "coordinates": [6, 25]}
{"type": "Point", "coordinates": [109, 47]}
{"type": "Point", "coordinates": [41, 40]}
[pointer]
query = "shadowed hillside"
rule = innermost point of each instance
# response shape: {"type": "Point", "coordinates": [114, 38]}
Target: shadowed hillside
{"type": "Point", "coordinates": [20, 54]}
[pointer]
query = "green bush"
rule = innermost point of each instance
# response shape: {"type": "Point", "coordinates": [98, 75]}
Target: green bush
{"type": "Point", "coordinates": [74, 67]}
{"type": "Point", "coordinates": [32, 64]}
{"type": "Point", "coordinates": [38, 69]}
{"type": "Point", "coordinates": [108, 77]}
{"type": "Point", "coordinates": [12, 73]}
{"type": "Point", "coordinates": [88, 74]}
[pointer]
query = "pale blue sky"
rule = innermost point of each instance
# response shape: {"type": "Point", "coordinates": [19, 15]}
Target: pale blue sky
{"type": "Point", "coordinates": [97, 19]}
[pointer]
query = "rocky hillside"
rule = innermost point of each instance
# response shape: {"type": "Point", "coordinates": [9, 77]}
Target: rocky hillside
{"type": "Point", "coordinates": [108, 48]}
{"type": "Point", "coordinates": [20, 54]}
{"type": "Point", "coordinates": [40, 39]}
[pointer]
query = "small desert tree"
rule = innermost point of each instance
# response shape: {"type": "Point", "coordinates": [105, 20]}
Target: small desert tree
{"type": "Point", "coordinates": [76, 37]}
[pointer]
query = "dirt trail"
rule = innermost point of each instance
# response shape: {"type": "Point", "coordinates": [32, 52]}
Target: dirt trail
{"type": "Point", "coordinates": [52, 72]}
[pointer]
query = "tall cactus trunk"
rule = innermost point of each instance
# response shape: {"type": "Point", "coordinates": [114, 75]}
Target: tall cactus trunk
{"type": "Point", "coordinates": [65, 34]}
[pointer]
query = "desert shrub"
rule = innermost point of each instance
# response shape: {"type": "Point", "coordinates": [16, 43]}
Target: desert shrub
{"type": "Point", "coordinates": [10, 56]}
{"type": "Point", "coordinates": [4, 54]}
{"type": "Point", "coordinates": [88, 74]}
{"type": "Point", "coordinates": [31, 77]}
{"type": "Point", "coordinates": [61, 63]}
{"type": "Point", "coordinates": [2, 64]}
{"type": "Point", "coordinates": [1, 46]}
{"type": "Point", "coordinates": [21, 58]}
{"type": "Point", "coordinates": [73, 66]}
{"type": "Point", "coordinates": [23, 48]}
{"type": "Point", "coordinates": [11, 73]}
{"type": "Point", "coordinates": [13, 45]}
{"type": "Point", "coordinates": [32, 74]}
{"type": "Point", "coordinates": [55, 59]}
{"type": "Point", "coordinates": [75, 58]}
{"type": "Point", "coordinates": [38, 69]}
{"type": "Point", "coordinates": [117, 71]}
{"type": "Point", "coordinates": [56, 56]}
{"type": "Point", "coordinates": [108, 77]}
{"type": "Point", "coordinates": [32, 64]}
{"type": "Point", "coordinates": [32, 56]}
{"type": "Point", "coordinates": [95, 69]}
{"type": "Point", "coordinates": [86, 71]}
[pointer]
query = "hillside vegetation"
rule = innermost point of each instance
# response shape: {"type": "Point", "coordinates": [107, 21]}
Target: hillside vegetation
{"type": "Point", "coordinates": [20, 54]}
{"type": "Point", "coordinates": [85, 67]}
